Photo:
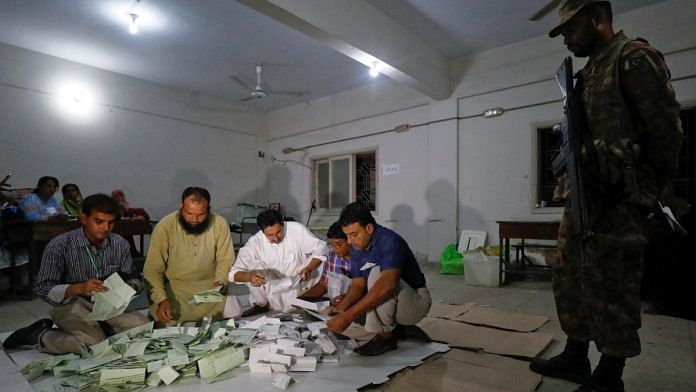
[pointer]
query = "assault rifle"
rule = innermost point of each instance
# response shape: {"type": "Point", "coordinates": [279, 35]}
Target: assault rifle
{"type": "Point", "coordinates": [569, 158]}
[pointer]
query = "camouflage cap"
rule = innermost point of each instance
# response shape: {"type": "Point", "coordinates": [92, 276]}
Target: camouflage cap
{"type": "Point", "coordinates": [567, 10]}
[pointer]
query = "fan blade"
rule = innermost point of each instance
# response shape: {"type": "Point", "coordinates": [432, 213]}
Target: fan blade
{"type": "Point", "coordinates": [241, 82]}
{"type": "Point", "coordinates": [249, 98]}
{"type": "Point", "coordinates": [544, 11]}
{"type": "Point", "coordinates": [287, 93]}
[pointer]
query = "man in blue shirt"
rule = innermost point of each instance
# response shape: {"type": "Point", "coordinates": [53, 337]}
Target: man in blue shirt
{"type": "Point", "coordinates": [388, 286]}
{"type": "Point", "coordinates": [336, 276]}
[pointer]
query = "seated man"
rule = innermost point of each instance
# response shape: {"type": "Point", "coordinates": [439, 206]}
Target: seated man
{"type": "Point", "coordinates": [388, 285]}
{"type": "Point", "coordinates": [73, 267]}
{"type": "Point", "coordinates": [335, 278]}
{"type": "Point", "coordinates": [275, 259]}
{"type": "Point", "coordinates": [190, 251]}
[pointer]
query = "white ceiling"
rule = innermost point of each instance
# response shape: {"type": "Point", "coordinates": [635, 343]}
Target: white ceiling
{"type": "Point", "coordinates": [199, 45]}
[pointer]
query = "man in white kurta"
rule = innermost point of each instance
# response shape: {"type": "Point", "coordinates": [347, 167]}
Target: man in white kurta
{"type": "Point", "coordinates": [278, 263]}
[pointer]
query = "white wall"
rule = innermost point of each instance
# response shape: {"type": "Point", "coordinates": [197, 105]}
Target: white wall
{"type": "Point", "coordinates": [150, 140]}
{"type": "Point", "coordinates": [459, 174]}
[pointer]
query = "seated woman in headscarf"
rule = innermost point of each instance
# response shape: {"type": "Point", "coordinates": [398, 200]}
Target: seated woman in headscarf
{"type": "Point", "coordinates": [135, 214]}
{"type": "Point", "coordinates": [40, 203]}
{"type": "Point", "coordinates": [72, 199]}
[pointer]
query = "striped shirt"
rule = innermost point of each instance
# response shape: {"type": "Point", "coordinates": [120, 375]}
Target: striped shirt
{"type": "Point", "coordinates": [70, 258]}
{"type": "Point", "coordinates": [337, 264]}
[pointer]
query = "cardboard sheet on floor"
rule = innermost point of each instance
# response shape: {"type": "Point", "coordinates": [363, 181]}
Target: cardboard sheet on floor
{"type": "Point", "coordinates": [491, 340]}
{"type": "Point", "coordinates": [461, 370]}
{"type": "Point", "coordinates": [12, 379]}
{"type": "Point", "coordinates": [449, 311]}
{"type": "Point", "coordinates": [480, 315]}
{"type": "Point", "coordinates": [351, 373]}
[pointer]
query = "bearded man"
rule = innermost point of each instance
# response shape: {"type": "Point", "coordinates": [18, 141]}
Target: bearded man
{"type": "Point", "coordinates": [190, 251]}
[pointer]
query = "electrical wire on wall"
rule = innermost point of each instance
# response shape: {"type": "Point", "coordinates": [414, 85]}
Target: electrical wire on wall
{"type": "Point", "coordinates": [493, 112]}
{"type": "Point", "coordinates": [285, 162]}
{"type": "Point", "coordinates": [489, 113]}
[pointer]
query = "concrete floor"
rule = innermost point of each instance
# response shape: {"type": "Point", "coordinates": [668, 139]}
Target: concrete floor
{"type": "Point", "coordinates": [668, 361]}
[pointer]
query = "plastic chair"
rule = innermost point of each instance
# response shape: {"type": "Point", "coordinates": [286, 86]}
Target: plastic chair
{"type": "Point", "coordinates": [247, 226]}
{"type": "Point", "coordinates": [471, 239]}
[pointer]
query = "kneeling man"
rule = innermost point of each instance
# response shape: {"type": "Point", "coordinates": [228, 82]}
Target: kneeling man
{"type": "Point", "coordinates": [277, 262]}
{"type": "Point", "coordinates": [388, 286]}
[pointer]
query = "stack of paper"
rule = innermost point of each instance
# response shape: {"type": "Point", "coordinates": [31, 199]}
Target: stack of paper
{"type": "Point", "coordinates": [209, 295]}
{"type": "Point", "coordinates": [315, 306]}
{"type": "Point", "coordinates": [111, 303]}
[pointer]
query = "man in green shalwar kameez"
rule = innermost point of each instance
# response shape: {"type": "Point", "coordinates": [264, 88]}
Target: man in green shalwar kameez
{"type": "Point", "coordinates": [190, 251]}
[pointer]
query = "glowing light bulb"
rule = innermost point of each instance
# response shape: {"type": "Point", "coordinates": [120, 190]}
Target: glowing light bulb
{"type": "Point", "coordinates": [133, 26]}
{"type": "Point", "coordinates": [374, 71]}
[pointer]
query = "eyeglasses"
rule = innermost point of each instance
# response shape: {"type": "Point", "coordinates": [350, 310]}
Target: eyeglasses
{"type": "Point", "coordinates": [337, 244]}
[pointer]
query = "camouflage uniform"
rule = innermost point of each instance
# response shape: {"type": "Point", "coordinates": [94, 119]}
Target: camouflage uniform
{"type": "Point", "coordinates": [633, 119]}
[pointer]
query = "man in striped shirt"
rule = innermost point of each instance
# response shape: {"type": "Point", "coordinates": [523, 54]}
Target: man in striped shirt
{"type": "Point", "coordinates": [72, 269]}
{"type": "Point", "coordinates": [336, 276]}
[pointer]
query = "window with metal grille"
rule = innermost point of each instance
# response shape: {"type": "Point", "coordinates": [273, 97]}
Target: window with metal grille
{"type": "Point", "coordinates": [685, 182]}
{"type": "Point", "coordinates": [343, 179]}
{"type": "Point", "coordinates": [548, 144]}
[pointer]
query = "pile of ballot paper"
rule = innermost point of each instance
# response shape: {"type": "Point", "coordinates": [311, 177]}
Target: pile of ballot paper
{"type": "Point", "coordinates": [145, 357]}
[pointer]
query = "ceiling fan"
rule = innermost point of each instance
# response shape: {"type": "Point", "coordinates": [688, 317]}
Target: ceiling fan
{"type": "Point", "coordinates": [545, 10]}
{"type": "Point", "coordinates": [261, 90]}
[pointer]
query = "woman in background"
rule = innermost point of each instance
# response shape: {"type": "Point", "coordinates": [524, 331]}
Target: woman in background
{"type": "Point", "coordinates": [72, 199]}
{"type": "Point", "coordinates": [40, 203]}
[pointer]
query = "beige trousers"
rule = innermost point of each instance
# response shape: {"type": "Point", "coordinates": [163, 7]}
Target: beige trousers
{"type": "Point", "coordinates": [75, 331]}
{"type": "Point", "coordinates": [408, 306]}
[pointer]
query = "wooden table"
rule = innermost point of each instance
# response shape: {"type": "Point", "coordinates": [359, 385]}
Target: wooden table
{"type": "Point", "coordinates": [522, 230]}
{"type": "Point", "coordinates": [34, 233]}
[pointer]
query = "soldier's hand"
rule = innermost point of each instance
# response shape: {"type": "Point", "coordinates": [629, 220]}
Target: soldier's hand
{"type": "Point", "coordinates": [164, 311]}
{"type": "Point", "coordinates": [92, 286]}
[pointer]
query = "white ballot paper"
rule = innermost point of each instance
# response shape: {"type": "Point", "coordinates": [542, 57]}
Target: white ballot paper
{"type": "Point", "coordinates": [282, 381]}
{"type": "Point", "coordinates": [219, 362]}
{"type": "Point", "coordinates": [122, 376]}
{"type": "Point", "coordinates": [304, 364]}
{"type": "Point", "coordinates": [168, 375]}
{"type": "Point", "coordinates": [113, 302]}
{"type": "Point", "coordinates": [367, 266]}
{"type": "Point", "coordinates": [315, 306]}
{"type": "Point", "coordinates": [208, 295]}
{"type": "Point", "coordinates": [673, 223]}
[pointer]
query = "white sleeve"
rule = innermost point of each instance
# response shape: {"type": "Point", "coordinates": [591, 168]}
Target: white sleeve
{"type": "Point", "coordinates": [246, 259]}
{"type": "Point", "coordinates": [312, 245]}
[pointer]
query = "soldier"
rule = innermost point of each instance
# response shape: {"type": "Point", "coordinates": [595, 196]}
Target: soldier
{"type": "Point", "coordinates": [632, 119]}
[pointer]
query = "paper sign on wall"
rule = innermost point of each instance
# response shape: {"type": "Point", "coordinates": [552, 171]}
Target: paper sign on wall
{"type": "Point", "coordinates": [391, 169]}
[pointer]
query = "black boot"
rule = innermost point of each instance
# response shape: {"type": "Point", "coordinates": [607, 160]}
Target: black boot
{"type": "Point", "coordinates": [572, 364]}
{"type": "Point", "coordinates": [606, 376]}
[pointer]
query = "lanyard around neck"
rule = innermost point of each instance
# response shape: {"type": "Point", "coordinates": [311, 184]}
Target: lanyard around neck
{"type": "Point", "coordinates": [91, 258]}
